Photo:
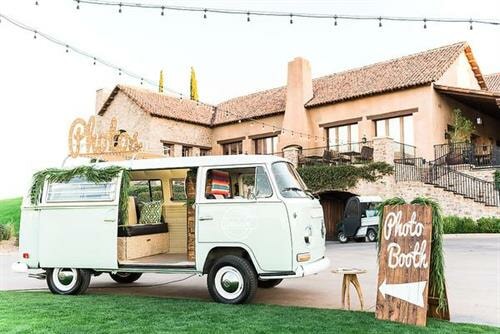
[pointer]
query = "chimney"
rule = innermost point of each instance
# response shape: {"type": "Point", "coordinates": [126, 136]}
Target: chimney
{"type": "Point", "coordinates": [101, 95]}
{"type": "Point", "coordinates": [299, 91]}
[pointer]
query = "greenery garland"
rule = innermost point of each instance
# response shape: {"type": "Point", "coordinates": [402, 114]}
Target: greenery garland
{"type": "Point", "coordinates": [319, 178]}
{"type": "Point", "coordinates": [91, 174]}
{"type": "Point", "coordinates": [436, 276]}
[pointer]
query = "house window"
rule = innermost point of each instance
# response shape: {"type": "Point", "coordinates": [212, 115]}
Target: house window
{"type": "Point", "coordinates": [343, 138]}
{"type": "Point", "coordinates": [168, 150]}
{"type": "Point", "coordinates": [204, 151]}
{"type": "Point", "coordinates": [267, 145]}
{"type": "Point", "coordinates": [187, 151]}
{"type": "Point", "coordinates": [232, 148]}
{"type": "Point", "coordinates": [398, 128]}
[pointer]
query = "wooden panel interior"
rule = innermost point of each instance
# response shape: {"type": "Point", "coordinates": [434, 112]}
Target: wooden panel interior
{"type": "Point", "coordinates": [176, 217]}
{"type": "Point", "coordinates": [142, 245]}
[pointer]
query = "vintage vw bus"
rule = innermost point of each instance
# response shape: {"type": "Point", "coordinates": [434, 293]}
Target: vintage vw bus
{"type": "Point", "coordinates": [245, 221]}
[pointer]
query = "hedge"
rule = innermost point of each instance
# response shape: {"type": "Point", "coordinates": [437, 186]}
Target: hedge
{"type": "Point", "coordinates": [497, 178]}
{"type": "Point", "coordinates": [454, 224]}
{"type": "Point", "coordinates": [320, 178]}
{"type": "Point", "coordinates": [7, 231]}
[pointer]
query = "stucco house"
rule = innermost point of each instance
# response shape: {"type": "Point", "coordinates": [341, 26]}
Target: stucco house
{"type": "Point", "coordinates": [395, 110]}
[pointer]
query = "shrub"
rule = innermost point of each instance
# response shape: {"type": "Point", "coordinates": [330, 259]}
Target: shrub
{"type": "Point", "coordinates": [489, 225]}
{"type": "Point", "coordinates": [6, 231]}
{"type": "Point", "coordinates": [496, 177]}
{"type": "Point", "coordinates": [454, 224]}
{"type": "Point", "coordinates": [323, 177]}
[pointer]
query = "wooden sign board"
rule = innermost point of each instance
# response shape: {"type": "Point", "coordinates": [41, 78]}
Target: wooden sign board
{"type": "Point", "coordinates": [404, 264]}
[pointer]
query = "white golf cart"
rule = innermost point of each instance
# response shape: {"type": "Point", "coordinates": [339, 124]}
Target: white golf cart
{"type": "Point", "coordinates": [360, 221]}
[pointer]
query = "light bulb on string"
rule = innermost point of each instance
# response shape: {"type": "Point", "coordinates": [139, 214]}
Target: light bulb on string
{"type": "Point", "coordinates": [380, 22]}
{"type": "Point", "coordinates": [291, 18]}
{"type": "Point", "coordinates": [119, 71]}
{"type": "Point", "coordinates": [248, 17]}
{"type": "Point", "coordinates": [239, 121]}
{"type": "Point", "coordinates": [162, 10]}
{"type": "Point", "coordinates": [470, 24]}
{"type": "Point", "coordinates": [34, 35]}
{"type": "Point", "coordinates": [425, 23]}
{"type": "Point", "coordinates": [335, 20]}
{"type": "Point", "coordinates": [77, 4]}
{"type": "Point", "coordinates": [120, 8]}
{"type": "Point", "coordinates": [67, 48]}
{"type": "Point", "coordinates": [36, 3]}
{"type": "Point", "coordinates": [142, 79]}
{"type": "Point", "coordinates": [95, 61]}
{"type": "Point", "coordinates": [205, 13]}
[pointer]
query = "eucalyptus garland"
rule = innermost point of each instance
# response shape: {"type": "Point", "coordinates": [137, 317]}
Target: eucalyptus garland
{"type": "Point", "coordinates": [91, 174]}
{"type": "Point", "coordinates": [436, 275]}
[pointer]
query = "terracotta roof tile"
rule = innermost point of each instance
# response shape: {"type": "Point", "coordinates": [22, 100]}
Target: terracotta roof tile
{"type": "Point", "coordinates": [169, 107]}
{"type": "Point", "coordinates": [493, 81]}
{"type": "Point", "coordinates": [255, 105]}
{"type": "Point", "coordinates": [408, 71]}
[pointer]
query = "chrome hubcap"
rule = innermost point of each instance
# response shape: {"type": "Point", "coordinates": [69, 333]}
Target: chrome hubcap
{"type": "Point", "coordinates": [64, 278]}
{"type": "Point", "coordinates": [229, 282]}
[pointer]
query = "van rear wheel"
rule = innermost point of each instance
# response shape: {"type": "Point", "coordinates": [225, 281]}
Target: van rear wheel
{"type": "Point", "coordinates": [371, 235]}
{"type": "Point", "coordinates": [268, 283]}
{"type": "Point", "coordinates": [342, 237]}
{"type": "Point", "coordinates": [232, 280]}
{"type": "Point", "coordinates": [68, 281]}
{"type": "Point", "coordinates": [125, 277]}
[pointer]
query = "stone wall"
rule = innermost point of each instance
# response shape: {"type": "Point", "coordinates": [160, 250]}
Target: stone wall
{"type": "Point", "coordinates": [451, 204]}
{"type": "Point", "coordinates": [481, 173]}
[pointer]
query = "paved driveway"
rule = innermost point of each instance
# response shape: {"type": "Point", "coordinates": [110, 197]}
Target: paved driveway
{"type": "Point", "coordinates": [472, 274]}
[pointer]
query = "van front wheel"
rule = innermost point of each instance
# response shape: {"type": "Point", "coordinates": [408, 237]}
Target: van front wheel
{"type": "Point", "coordinates": [232, 280]}
{"type": "Point", "coordinates": [68, 281]}
{"type": "Point", "coordinates": [125, 277]}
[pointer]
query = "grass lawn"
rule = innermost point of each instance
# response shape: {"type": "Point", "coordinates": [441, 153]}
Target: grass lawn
{"type": "Point", "coordinates": [36, 312]}
{"type": "Point", "coordinates": [10, 212]}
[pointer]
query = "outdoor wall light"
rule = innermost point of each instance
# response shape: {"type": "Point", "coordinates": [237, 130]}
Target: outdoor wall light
{"type": "Point", "coordinates": [363, 140]}
{"type": "Point", "coordinates": [479, 120]}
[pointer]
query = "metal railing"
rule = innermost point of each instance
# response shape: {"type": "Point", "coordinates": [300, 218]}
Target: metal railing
{"type": "Point", "coordinates": [403, 151]}
{"type": "Point", "coordinates": [467, 153]}
{"type": "Point", "coordinates": [349, 153]}
{"type": "Point", "coordinates": [448, 178]}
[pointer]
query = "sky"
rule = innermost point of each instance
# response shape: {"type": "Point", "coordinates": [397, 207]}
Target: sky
{"type": "Point", "coordinates": [43, 88]}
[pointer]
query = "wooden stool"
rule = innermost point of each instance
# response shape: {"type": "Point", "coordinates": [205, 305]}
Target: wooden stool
{"type": "Point", "coordinates": [350, 277]}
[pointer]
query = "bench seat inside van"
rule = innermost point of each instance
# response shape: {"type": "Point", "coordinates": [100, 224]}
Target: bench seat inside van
{"type": "Point", "coordinates": [141, 240]}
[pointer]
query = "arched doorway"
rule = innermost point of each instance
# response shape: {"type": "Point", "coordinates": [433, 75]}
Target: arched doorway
{"type": "Point", "coordinates": [333, 203]}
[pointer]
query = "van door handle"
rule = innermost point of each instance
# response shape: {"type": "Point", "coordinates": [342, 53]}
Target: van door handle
{"type": "Point", "coordinates": [109, 220]}
{"type": "Point", "coordinates": [206, 218]}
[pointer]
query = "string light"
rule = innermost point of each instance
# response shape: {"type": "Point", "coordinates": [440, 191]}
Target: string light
{"type": "Point", "coordinates": [34, 35]}
{"type": "Point", "coordinates": [248, 17]}
{"type": "Point", "coordinates": [77, 4]}
{"type": "Point", "coordinates": [425, 23]}
{"type": "Point", "coordinates": [290, 14]}
{"type": "Point", "coordinates": [162, 10]}
{"type": "Point", "coordinates": [335, 20]}
{"type": "Point", "coordinates": [120, 8]}
{"type": "Point", "coordinates": [380, 22]}
{"type": "Point", "coordinates": [470, 24]}
{"type": "Point", "coordinates": [141, 78]}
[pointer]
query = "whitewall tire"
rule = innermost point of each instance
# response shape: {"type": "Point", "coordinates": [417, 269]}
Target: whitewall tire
{"type": "Point", "coordinates": [232, 280]}
{"type": "Point", "coordinates": [68, 281]}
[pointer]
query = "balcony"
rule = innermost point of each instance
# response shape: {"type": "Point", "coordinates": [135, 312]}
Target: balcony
{"type": "Point", "coordinates": [480, 155]}
{"type": "Point", "coordinates": [343, 154]}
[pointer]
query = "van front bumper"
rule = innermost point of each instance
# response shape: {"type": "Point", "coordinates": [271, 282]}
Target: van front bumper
{"type": "Point", "coordinates": [304, 269]}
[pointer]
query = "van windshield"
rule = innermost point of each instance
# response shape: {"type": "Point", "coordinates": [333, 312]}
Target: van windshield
{"type": "Point", "coordinates": [289, 182]}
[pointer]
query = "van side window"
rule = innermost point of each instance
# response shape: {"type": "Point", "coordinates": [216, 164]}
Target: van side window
{"type": "Point", "coordinates": [178, 190]}
{"type": "Point", "coordinates": [237, 183]}
{"type": "Point", "coordinates": [146, 190]}
{"type": "Point", "coordinates": [79, 189]}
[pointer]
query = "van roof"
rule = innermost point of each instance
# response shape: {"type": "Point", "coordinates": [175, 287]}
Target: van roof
{"type": "Point", "coordinates": [188, 162]}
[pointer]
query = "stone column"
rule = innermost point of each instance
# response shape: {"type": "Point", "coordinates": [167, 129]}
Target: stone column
{"type": "Point", "coordinates": [383, 149]}
{"type": "Point", "coordinates": [292, 153]}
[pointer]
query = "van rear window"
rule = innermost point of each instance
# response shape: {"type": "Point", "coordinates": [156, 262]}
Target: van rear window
{"type": "Point", "coordinates": [81, 190]}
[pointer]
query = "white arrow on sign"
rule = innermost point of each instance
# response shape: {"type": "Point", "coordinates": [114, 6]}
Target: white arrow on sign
{"type": "Point", "coordinates": [410, 292]}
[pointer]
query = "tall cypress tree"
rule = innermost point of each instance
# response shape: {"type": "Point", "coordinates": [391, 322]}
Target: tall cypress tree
{"type": "Point", "coordinates": [160, 83]}
{"type": "Point", "coordinates": [194, 86]}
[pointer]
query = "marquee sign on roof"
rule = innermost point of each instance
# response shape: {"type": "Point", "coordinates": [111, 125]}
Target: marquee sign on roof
{"type": "Point", "coordinates": [85, 140]}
